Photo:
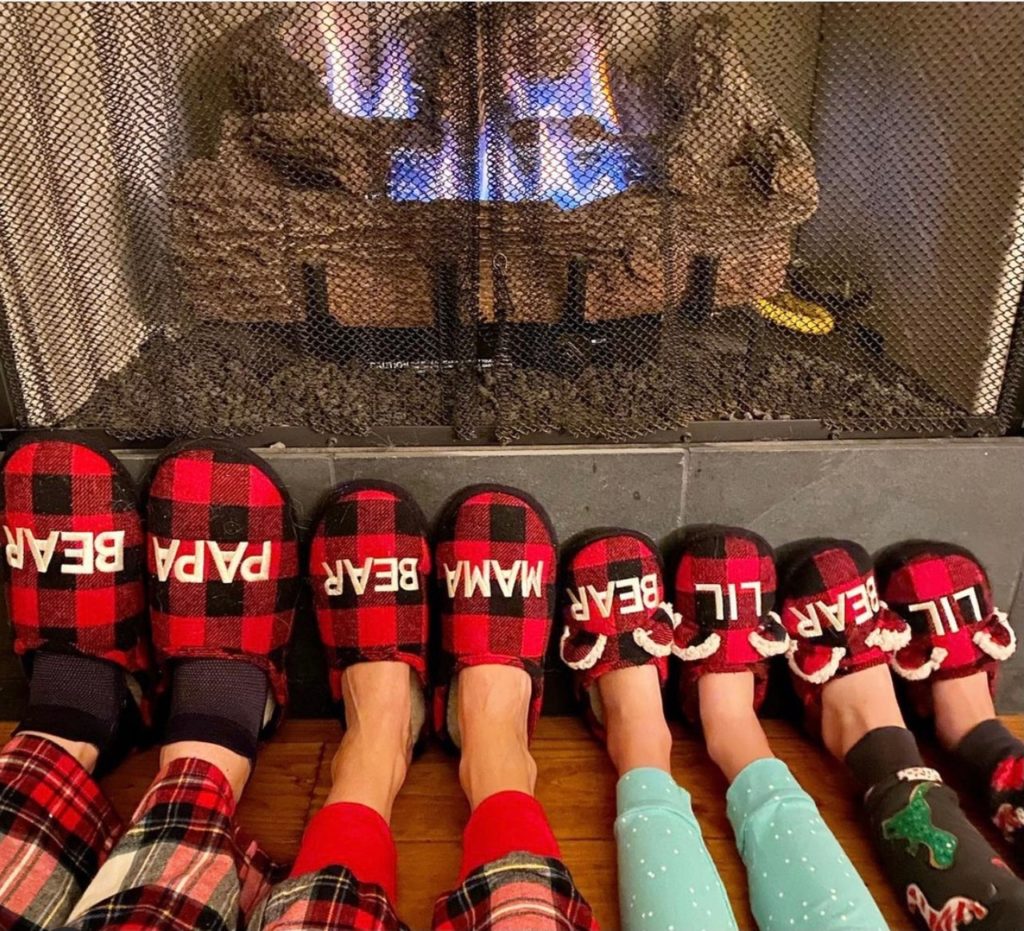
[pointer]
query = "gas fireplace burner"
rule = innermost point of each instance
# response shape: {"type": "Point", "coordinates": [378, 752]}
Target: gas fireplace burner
{"type": "Point", "coordinates": [606, 220]}
{"type": "Point", "coordinates": [597, 196]}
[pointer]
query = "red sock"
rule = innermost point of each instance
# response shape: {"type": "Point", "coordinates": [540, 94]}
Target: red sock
{"type": "Point", "coordinates": [504, 823]}
{"type": "Point", "coordinates": [354, 836]}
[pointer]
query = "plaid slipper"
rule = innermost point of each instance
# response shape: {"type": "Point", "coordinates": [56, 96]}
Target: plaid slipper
{"type": "Point", "coordinates": [495, 566]}
{"type": "Point", "coordinates": [369, 566]}
{"type": "Point", "coordinates": [943, 593]}
{"type": "Point", "coordinates": [615, 611]}
{"type": "Point", "coordinates": [834, 617]}
{"type": "Point", "coordinates": [73, 553]}
{"type": "Point", "coordinates": [725, 596]}
{"type": "Point", "coordinates": [223, 558]}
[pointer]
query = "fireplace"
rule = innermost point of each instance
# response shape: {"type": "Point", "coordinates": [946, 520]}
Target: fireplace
{"type": "Point", "coordinates": [505, 221]}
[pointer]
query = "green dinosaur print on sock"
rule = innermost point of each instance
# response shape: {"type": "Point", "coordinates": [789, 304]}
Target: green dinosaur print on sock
{"type": "Point", "coordinates": [913, 824]}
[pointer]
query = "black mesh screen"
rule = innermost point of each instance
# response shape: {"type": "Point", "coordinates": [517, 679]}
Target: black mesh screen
{"type": "Point", "coordinates": [604, 219]}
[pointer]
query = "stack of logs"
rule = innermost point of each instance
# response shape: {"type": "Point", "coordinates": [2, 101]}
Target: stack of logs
{"type": "Point", "coordinates": [295, 183]}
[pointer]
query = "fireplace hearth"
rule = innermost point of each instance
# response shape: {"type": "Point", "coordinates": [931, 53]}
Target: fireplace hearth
{"type": "Point", "coordinates": [605, 221]}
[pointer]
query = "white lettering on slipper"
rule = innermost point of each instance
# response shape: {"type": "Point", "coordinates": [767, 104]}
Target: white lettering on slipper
{"type": "Point", "coordinates": [931, 608]}
{"type": "Point", "coordinates": [186, 560]}
{"type": "Point", "coordinates": [635, 595]}
{"type": "Point", "coordinates": [476, 578]}
{"type": "Point", "coordinates": [389, 574]}
{"type": "Point", "coordinates": [733, 592]}
{"type": "Point", "coordinates": [862, 600]}
{"type": "Point", "coordinates": [83, 552]}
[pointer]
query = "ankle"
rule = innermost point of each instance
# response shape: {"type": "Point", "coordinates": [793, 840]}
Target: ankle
{"type": "Point", "coordinates": [732, 731]}
{"type": "Point", "coordinates": [369, 768]}
{"type": "Point", "coordinates": [492, 697]}
{"type": "Point", "coordinates": [218, 701]}
{"type": "Point", "coordinates": [86, 754]}
{"type": "Point", "coordinates": [372, 760]}
{"type": "Point", "coordinates": [855, 704]}
{"type": "Point", "coordinates": [636, 732]}
{"type": "Point", "coordinates": [234, 767]}
{"type": "Point", "coordinates": [961, 704]}
{"type": "Point", "coordinates": [494, 703]}
{"type": "Point", "coordinates": [503, 764]}
{"type": "Point", "coordinates": [634, 742]}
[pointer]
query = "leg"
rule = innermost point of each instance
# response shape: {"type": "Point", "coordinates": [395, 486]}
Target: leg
{"type": "Point", "coordinates": [221, 626]}
{"type": "Point", "coordinates": [345, 873]}
{"type": "Point", "coordinates": [512, 876]}
{"type": "Point", "coordinates": [56, 828]}
{"type": "Point", "coordinates": [666, 874]}
{"type": "Point", "coordinates": [797, 873]}
{"type": "Point", "coordinates": [375, 638]}
{"type": "Point", "coordinates": [178, 865]}
{"type": "Point", "coordinates": [966, 723]}
{"type": "Point", "coordinates": [930, 850]}
{"type": "Point", "coordinates": [492, 682]}
{"type": "Point", "coordinates": [796, 870]}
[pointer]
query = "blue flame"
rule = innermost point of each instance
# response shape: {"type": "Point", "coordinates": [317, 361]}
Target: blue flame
{"type": "Point", "coordinates": [555, 166]}
{"type": "Point", "coordinates": [391, 94]}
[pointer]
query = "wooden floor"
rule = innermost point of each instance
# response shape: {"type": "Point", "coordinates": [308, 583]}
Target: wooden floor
{"type": "Point", "coordinates": [576, 785]}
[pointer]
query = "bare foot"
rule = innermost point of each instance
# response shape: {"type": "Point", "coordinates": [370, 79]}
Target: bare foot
{"type": "Point", "coordinates": [634, 721]}
{"type": "Point", "coordinates": [86, 754]}
{"type": "Point", "coordinates": [373, 758]}
{"type": "Point", "coordinates": [854, 704]}
{"type": "Point", "coordinates": [494, 703]}
{"type": "Point", "coordinates": [732, 731]}
{"type": "Point", "coordinates": [960, 705]}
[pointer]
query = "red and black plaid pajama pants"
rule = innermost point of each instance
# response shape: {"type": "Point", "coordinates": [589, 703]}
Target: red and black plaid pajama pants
{"type": "Point", "coordinates": [66, 862]}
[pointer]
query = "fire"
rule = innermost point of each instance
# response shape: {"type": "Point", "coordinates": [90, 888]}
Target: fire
{"type": "Point", "coordinates": [584, 90]}
{"type": "Point", "coordinates": [570, 171]}
{"type": "Point", "coordinates": [424, 175]}
{"type": "Point", "coordinates": [367, 74]}
{"type": "Point", "coordinates": [551, 161]}
{"type": "Point", "coordinates": [553, 138]}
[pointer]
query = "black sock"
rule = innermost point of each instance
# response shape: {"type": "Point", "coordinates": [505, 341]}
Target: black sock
{"type": "Point", "coordinates": [219, 701]}
{"type": "Point", "coordinates": [986, 746]}
{"type": "Point", "coordinates": [995, 760]}
{"type": "Point", "coordinates": [939, 864]}
{"type": "Point", "coordinates": [882, 752]}
{"type": "Point", "coordinates": [75, 697]}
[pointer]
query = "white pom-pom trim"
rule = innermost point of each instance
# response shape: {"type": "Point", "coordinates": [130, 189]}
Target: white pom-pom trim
{"type": "Point", "coordinates": [645, 641]}
{"type": "Point", "coordinates": [670, 610]}
{"type": "Point", "coordinates": [588, 661]}
{"type": "Point", "coordinates": [766, 647]}
{"type": "Point", "coordinates": [701, 651]}
{"type": "Point", "coordinates": [889, 640]}
{"type": "Point", "coordinates": [986, 642]}
{"type": "Point", "coordinates": [822, 675]}
{"type": "Point", "coordinates": [916, 673]}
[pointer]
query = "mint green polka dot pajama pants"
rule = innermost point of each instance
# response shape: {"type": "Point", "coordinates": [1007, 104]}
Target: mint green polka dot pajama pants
{"type": "Point", "coordinates": [798, 875]}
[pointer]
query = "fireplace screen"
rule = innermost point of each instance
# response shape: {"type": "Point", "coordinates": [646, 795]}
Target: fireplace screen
{"type": "Point", "coordinates": [509, 219]}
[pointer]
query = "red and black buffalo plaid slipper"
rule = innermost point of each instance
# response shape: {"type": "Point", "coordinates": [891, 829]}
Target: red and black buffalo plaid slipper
{"type": "Point", "coordinates": [834, 616]}
{"type": "Point", "coordinates": [943, 594]}
{"type": "Point", "coordinates": [725, 599]}
{"type": "Point", "coordinates": [73, 562]}
{"type": "Point", "coordinates": [614, 611]}
{"type": "Point", "coordinates": [369, 566]}
{"type": "Point", "coordinates": [223, 558]}
{"type": "Point", "coordinates": [495, 566]}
